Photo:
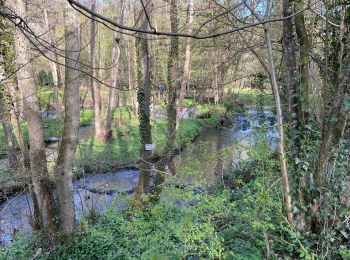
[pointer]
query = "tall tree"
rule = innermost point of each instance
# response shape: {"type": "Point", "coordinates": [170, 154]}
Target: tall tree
{"type": "Point", "coordinates": [132, 66]}
{"type": "Point", "coordinates": [93, 84]}
{"type": "Point", "coordinates": [330, 132]}
{"type": "Point", "coordinates": [143, 97]}
{"type": "Point", "coordinates": [54, 67]}
{"type": "Point", "coordinates": [303, 62]}
{"type": "Point", "coordinates": [289, 54]}
{"type": "Point", "coordinates": [278, 104]}
{"type": "Point", "coordinates": [64, 173]}
{"type": "Point", "coordinates": [117, 36]}
{"type": "Point", "coordinates": [187, 64]}
{"type": "Point", "coordinates": [26, 84]}
{"type": "Point", "coordinates": [172, 82]}
{"type": "Point", "coordinates": [173, 77]}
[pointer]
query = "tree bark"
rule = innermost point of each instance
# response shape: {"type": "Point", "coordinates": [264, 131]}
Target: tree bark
{"type": "Point", "coordinates": [281, 142]}
{"type": "Point", "coordinates": [4, 117]}
{"type": "Point", "coordinates": [99, 135]}
{"type": "Point", "coordinates": [133, 65]}
{"type": "Point", "coordinates": [114, 79]}
{"type": "Point", "coordinates": [172, 82]}
{"type": "Point", "coordinates": [173, 77]}
{"type": "Point", "coordinates": [55, 70]}
{"type": "Point", "coordinates": [304, 63]}
{"type": "Point", "coordinates": [331, 123]}
{"type": "Point", "coordinates": [11, 150]}
{"type": "Point", "coordinates": [64, 173]}
{"type": "Point", "coordinates": [143, 97]}
{"type": "Point", "coordinates": [297, 98]}
{"type": "Point", "coordinates": [187, 64]}
{"type": "Point", "coordinates": [289, 55]}
{"type": "Point", "coordinates": [26, 83]}
{"type": "Point", "coordinates": [16, 127]}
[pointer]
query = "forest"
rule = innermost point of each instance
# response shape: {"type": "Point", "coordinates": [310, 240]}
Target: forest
{"type": "Point", "coordinates": [174, 129]}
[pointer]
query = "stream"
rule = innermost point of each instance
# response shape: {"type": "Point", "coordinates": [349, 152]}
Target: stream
{"type": "Point", "coordinates": [212, 153]}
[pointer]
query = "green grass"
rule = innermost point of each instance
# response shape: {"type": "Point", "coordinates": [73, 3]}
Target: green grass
{"type": "Point", "coordinates": [93, 156]}
{"type": "Point", "coordinates": [54, 127]}
{"type": "Point", "coordinates": [250, 96]}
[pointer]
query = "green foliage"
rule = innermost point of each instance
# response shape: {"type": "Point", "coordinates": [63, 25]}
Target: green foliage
{"type": "Point", "coordinates": [45, 78]}
{"type": "Point", "coordinates": [249, 96]}
{"type": "Point", "coordinates": [24, 247]}
{"type": "Point", "coordinates": [168, 230]}
{"type": "Point", "coordinates": [93, 156]}
{"type": "Point", "coordinates": [46, 97]}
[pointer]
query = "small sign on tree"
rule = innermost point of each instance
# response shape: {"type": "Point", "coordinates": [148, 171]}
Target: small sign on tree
{"type": "Point", "coordinates": [150, 147]}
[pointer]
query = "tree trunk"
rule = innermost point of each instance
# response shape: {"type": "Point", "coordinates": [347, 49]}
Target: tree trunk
{"type": "Point", "coordinates": [114, 79]}
{"type": "Point", "coordinates": [187, 65]}
{"type": "Point", "coordinates": [331, 123]}
{"type": "Point", "coordinates": [173, 77]}
{"type": "Point", "coordinates": [296, 105]}
{"type": "Point", "coordinates": [64, 173]}
{"type": "Point", "coordinates": [281, 144]}
{"type": "Point", "coordinates": [143, 97]}
{"type": "Point", "coordinates": [94, 87]}
{"type": "Point", "coordinates": [133, 65]}
{"type": "Point", "coordinates": [289, 55]}
{"type": "Point", "coordinates": [304, 63]}
{"type": "Point", "coordinates": [11, 150]}
{"type": "Point", "coordinates": [55, 70]}
{"type": "Point", "coordinates": [26, 84]}
{"type": "Point", "coordinates": [172, 81]}
{"type": "Point", "coordinates": [16, 127]}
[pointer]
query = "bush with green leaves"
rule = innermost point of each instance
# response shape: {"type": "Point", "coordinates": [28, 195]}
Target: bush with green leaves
{"type": "Point", "coordinates": [183, 225]}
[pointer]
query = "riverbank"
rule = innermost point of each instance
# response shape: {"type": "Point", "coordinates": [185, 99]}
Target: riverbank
{"type": "Point", "coordinates": [225, 218]}
{"type": "Point", "coordinates": [95, 157]}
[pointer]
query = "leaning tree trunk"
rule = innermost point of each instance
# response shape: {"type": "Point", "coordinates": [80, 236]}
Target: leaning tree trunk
{"type": "Point", "coordinates": [187, 65]}
{"type": "Point", "coordinates": [281, 142]}
{"type": "Point", "coordinates": [64, 173]}
{"type": "Point", "coordinates": [26, 84]}
{"type": "Point", "coordinates": [143, 97]}
{"type": "Point", "coordinates": [114, 78]}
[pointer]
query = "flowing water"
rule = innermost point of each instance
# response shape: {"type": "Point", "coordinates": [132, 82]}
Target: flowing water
{"type": "Point", "coordinates": [213, 153]}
